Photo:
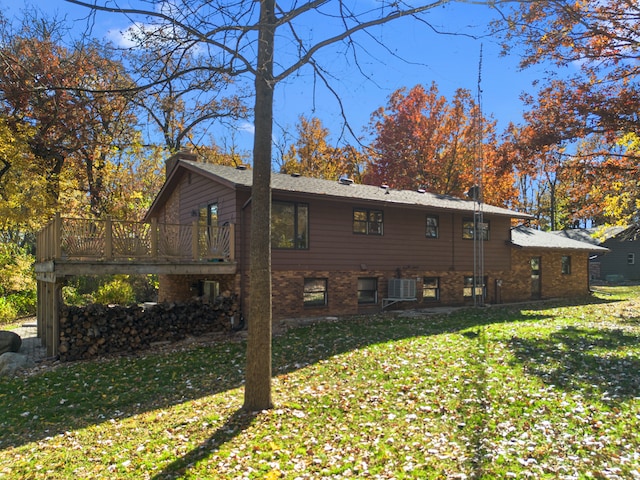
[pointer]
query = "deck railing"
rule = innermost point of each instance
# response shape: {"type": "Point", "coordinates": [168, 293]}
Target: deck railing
{"type": "Point", "coordinates": [84, 239]}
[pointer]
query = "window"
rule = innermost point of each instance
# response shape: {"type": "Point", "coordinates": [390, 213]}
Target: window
{"type": "Point", "coordinates": [430, 288]}
{"type": "Point", "coordinates": [432, 227]}
{"type": "Point", "coordinates": [208, 215]}
{"type": "Point", "coordinates": [631, 258]}
{"type": "Point", "coordinates": [207, 226]}
{"type": "Point", "coordinates": [210, 289]}
{"type": "Point", "coordinates": [468, 229]}
{"type": "Point", "coordinates": [290, 225]}
{"type": "Point", "coordinates": [367, 290]}
{"type": "Point", "coordinates": [566, 265]}
{"type": "Point", "coordinates": [367, 222]}
{"type": "Point", "coordinates": [315, 292]}
{"type": "Point", "coordinates": [480, 285]}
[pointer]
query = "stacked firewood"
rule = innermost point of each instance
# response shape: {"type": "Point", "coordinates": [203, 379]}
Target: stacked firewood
{"type": "Point", "coordinates": [100, 329]}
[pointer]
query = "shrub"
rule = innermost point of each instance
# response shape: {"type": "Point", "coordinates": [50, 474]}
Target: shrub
{"type": "Point", "coordinates": [24, 302]}
{"type": "Point", "coordinates": [117, 291]}
{"type": "Point", "coordinates": [17, 282]}
{"type": "Point", "coordinates": [8, 312]}
{"type": "Point", "coordinates": [16, 269]}
{"type": "Point", "coordinates": [71, 296]}
{"type": "Point", "coordinates": [82, 290]}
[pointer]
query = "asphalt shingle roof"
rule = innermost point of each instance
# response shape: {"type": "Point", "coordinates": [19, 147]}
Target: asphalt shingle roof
{"type": "Point", "coordinates": [526, 237]}
{"type": "Point", "coordinates": [315, 186]}
{"type": "Point", "coordinates": [590, 235]}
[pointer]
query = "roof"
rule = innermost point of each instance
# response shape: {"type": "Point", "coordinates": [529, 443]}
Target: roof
{"type": "Point", "coordinates": [596, 236]}
{"type": "Point", "coordinates": [526, 237]}
{"type": "Point", "coordinates": [345, 191]}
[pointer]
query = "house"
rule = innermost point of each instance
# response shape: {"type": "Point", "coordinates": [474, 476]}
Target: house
{"type": "Point", "coordinates": [622, 262]}
{"type": "Point", "coordinates": [338, 248]}
{"type": "Point", "coordinates": [343, 248]}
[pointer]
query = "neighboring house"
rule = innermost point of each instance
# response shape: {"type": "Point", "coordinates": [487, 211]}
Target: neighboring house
{"type": "Point", "coordinates": [622, 262]}
{"type": "Point", "coordinates": [341, 248]}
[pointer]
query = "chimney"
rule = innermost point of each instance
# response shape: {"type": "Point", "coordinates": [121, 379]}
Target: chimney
{"type": "Point", "coordinates": [184, 154]}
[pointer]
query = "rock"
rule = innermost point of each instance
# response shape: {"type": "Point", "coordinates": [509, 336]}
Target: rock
{"type": "Point", "coordinates": [11, 362]}
{"type": "Point", "coordinates": [9, 342]}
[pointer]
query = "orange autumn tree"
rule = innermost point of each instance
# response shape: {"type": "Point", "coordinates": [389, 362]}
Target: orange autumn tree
{"type": "Point", "coordinates": [424, 141]}
{"type": "Point", "coordinates": [590, 113]}
{"type": "Point", "coordinates": [71, 97]}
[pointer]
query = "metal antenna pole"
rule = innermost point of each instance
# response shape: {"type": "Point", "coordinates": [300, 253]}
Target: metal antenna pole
{"type": "Point", "coordinates": [478, 217]}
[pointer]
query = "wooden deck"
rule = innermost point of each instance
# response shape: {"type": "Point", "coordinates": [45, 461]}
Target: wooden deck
{"type": "Point", "coordinates": [72, 246]}
{"type": "Point", "coordinates": [83, 240]}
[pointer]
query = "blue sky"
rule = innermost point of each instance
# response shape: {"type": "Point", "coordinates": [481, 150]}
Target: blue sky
{"type": "Point", "coordinates": [450, 60]}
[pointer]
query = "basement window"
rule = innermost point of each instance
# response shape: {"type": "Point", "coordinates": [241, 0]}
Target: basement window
{"type": "Point", "coordinates": [367, 290]}
{"type": "Point", "coordinates": [430, 289]}
{"type": "Point", "coordinates": [315, 292]}
{"type": "Point", "coordinates": [480, 287]}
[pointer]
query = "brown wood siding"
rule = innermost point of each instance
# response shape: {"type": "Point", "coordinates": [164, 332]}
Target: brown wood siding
{"type": "Point", "coordinates": [197, 191]}
{"type": "Point", "coordinates": [333, 245]}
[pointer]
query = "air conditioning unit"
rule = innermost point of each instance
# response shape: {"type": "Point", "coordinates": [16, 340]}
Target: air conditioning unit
{"type": "Point", "coordinates": [404, 288]}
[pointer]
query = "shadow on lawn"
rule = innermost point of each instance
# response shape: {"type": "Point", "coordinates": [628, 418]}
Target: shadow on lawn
{"type": "Point", "coordinates": [238, 422]}
{"type": "Point", "coordinates": [77, 396]}
{"type": "Point", "coordinates": [585, 360]}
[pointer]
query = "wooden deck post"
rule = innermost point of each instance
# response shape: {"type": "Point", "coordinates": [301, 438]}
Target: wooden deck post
{"type": "Point", "coordinates": [48, 339]}
{"type": "Point", "coordinates": [40, 319]}
{"type": "Point", "coordinates": [55, 319]}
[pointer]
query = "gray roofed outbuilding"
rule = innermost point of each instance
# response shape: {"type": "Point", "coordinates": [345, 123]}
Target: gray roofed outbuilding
{"type": "Point", "coordinates": [526, 237]}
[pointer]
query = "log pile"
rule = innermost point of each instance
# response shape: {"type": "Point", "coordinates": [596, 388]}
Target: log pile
{"type": "Point", "coordinates": [86, 332]}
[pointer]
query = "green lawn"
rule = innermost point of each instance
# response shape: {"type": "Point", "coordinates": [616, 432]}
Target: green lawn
{"type": "Point", "coordinates": [539, 391]}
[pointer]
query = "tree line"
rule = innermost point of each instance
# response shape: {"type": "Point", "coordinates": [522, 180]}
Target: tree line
{"type": "Point", "coordinates": [80, 135]}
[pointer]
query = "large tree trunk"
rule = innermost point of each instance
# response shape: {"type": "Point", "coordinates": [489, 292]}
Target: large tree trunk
{"type": "Point", "coordinates": [257, 394]}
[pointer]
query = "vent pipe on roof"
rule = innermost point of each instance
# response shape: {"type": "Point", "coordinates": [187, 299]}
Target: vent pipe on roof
{"type": "Point", "coordinates": [345, 181]}
{"type": "Point", "coordinates": [241, 166]}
